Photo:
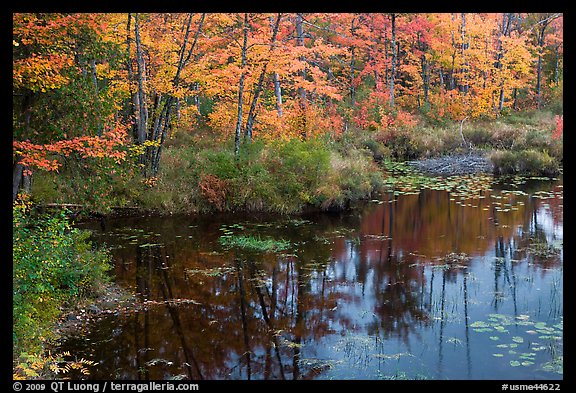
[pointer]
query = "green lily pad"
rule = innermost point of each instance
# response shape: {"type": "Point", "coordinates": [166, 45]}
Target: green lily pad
{"type": "Point", "coordinates": [482, 330]}
{"type": "Point", "coordinates": [514, 363]}
{"type": "Point", "coordinates": [517, 339]}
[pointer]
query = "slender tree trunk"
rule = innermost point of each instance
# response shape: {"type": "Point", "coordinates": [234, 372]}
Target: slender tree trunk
{"type": "Point", "coordinates": [134, 102]}
{"type": "Point", "coordinates": [386, 56]}
{"type": "Point", "coordinates": [278, 94]}
{"type": "Point", "coordinates": [301, 90]}
{"type": "Point", "coordinates": [557, 68]}
{"type": "Point", "coordinates": [197, 97]}
{"type": "Point", "coordinates": [258, 89]}
{"type": "Point", "coordinates": [452, 79]}
{"type": "Point", "coordinates": [141, 79]}
{"type": "Point", "coordinates": [505, 31]}
{"type": "Point", "coordinates": [501, 100]}
{"type": "Point", "coordinates": [170, 100]}
{"type": "Point", "coordinates": [425, 76]}
{"type": "Point", "coordinates": [541, 36]}
{"type": "Point", "coordinates": [352, 87]}
{"type": "Point", "coordinates": [17, 172]}
{"type": "Point", "coordinates": [241, 88]}
{"type": "Point", "coordinates": [464, 46]}
{"type": "Point", "coordinates": [441, 76]}
{"type": "Point", "coordinates": [393, 67]}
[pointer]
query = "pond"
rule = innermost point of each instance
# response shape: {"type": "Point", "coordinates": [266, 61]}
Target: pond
{"type": "Point", "coordinates": [461, 280]}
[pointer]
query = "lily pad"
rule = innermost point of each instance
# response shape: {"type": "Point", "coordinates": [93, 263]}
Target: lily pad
{"type": "Point", "coordinates": [479, 324]}
{"type": "Point", "coordinates": [514, 363]}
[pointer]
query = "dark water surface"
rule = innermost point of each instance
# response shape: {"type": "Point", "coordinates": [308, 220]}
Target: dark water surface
{"type": "Point", "coordinates": [429, 285]}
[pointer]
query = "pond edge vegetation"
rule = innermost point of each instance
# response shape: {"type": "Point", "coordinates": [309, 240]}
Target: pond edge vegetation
{"type": "Point", "coordinates": [201, 173]}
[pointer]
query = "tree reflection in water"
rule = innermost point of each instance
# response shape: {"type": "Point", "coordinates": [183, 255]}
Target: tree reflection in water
{"type": "Point", "coordinates": [389, 289]}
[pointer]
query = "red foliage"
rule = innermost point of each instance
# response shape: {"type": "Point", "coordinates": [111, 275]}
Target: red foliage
{"type": "Point", "coordinates": [214, 190]}
{"type": "Point", "coordinates": [559, 130]}
{"type": "Point", "coordinates": [45, 157]}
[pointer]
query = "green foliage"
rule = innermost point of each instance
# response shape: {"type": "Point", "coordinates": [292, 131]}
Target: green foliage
{"type": "Point", "coordinates": [281, 176]}
{"type": "Point", "coordinates": [96, 183]}
{"type": "Point", "coordinates": [478, 136]}
{"type": "Point", "coordinates": [253, 243]}
{"type": "Point", "coordinates": [378, 149]}
{"type": "Point", "coordinates": [525, 162]}
{"type": "Point", "coordinates": [220, 163]}
{"type": "Point", "coordinates": [504, 162]}
{"type": "Point", "coordinates": [401, 144]}
{"type": "Point", "coordinates": [52, 263]}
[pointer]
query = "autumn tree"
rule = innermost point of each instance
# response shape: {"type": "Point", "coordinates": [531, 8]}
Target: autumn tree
{"type": "Point", "coordinates": [64, 103]}
{"type": "Point", "coordinates": [540, 23]}
{"type": "Point", "coordinates": [163, 47]}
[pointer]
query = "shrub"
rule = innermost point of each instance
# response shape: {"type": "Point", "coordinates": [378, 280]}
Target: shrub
{"type": "Point", "coordinates": [52, 263]}
{"type": "Point", "coordinates": [399, 143]}
{"type": "Point", "coordinates": [504, 162]}
{"type": "Point", "coordinates": [505, 136]}
{"type": "Point", "coordinates": [524, 162]}
{"type": "Point", "coordinates": [379, 150]}
{"type": "Point", "coordinates": [214, 190]}
{"type": "Point", "coordinates": [478, 136]}
{"type": "Point", "coordinates": [532, 162]}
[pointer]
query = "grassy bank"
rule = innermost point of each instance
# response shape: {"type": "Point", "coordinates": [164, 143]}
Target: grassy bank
{"type": "Point", "coordinates": [283, 176]}
{"type": "Point", "coordinates": [54, 267]}
{"type": "Point", "coordinates": [199, 172]}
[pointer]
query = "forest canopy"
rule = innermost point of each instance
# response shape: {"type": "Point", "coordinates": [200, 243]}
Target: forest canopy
{"type": "Point", "coordinates": [117, 86]}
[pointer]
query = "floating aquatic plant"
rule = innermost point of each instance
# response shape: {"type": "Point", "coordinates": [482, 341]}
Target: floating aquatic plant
{"type": "Point", "coordinates": [254, 243]}
{"type": "Point", "coordinates": [496, 324]}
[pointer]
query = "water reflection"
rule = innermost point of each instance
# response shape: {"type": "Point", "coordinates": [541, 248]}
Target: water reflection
{"type": "Point", "coordinates": [397, 289]}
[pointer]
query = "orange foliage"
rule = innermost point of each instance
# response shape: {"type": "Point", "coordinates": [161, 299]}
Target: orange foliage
{"type": "Point", "coordinates": [559, 130]}
{"type": "Point", "coordinates": [214, 190]}
{"type": "Point", "coordinates": [45, 157]}
{"type": "Point", "coordinates": [455, 65]}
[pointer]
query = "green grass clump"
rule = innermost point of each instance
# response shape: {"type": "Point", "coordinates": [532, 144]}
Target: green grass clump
{"type": "Point", "coordinates": [524, 162]}
{"type": "Point", "coordinates": [253, 243]}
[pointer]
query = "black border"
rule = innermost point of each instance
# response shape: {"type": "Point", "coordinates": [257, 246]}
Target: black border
{"type": "Point", "coordinates": [325, 6]}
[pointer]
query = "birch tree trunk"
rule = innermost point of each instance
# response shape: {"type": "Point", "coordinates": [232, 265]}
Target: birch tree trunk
{"type": "Point", "coordinates": [541, 36]}
{"type": "Point", "coordinates": [241, 88]}
{"type": "Point", "coordinates": [393, 67]}
{"type": "Point", "coordinates": [301, 90]}
{"type": "Point", "coordinates": [142, 116]}
{"type": "Point", "coordinates": [278, 94]}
